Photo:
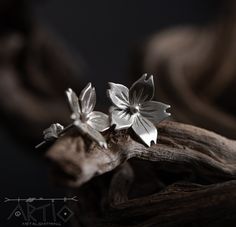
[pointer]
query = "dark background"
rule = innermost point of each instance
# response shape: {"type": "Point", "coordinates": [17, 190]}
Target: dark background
{"type": "Point", "coordinates": [104, 34]}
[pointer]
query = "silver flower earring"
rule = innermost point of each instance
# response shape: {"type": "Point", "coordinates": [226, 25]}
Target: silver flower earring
{"type": "Point", "coordinates": [134, 108]}
{"type": "Point", "coordinates": [87, 121]}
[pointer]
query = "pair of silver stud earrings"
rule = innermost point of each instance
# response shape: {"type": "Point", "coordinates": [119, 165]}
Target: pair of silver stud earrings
{"type": "Point", "coordinates": [132, 108]}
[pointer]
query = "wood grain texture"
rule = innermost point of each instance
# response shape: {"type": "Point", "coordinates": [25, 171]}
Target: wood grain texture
{"type": "Point", "coordinates": [187, 179]}
{"type": "Point", "coordinates": [187, 147]}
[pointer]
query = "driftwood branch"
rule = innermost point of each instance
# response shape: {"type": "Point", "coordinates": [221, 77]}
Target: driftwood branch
{"type": "Point", "coordinates": [188, 177]}
{"type": "Point", "coordinates": [178, 205]}
{"type": "Point", "coordinates": [180, 148]}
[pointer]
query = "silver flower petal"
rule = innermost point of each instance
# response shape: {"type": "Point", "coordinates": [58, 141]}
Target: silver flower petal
{"type": "Point", "coordinates": [99, 121]}
{"type": "Point", "coordinates": [87, 99]}
{"type": "Point", "coordinates": [119, 95]}
{"type": "Point", "coordinates": [121, 118]}
{"type": "Point", "coordinates": [74, 103]}
{"type": "Point", "coordinates": [154, 111]}
{"type": "Point", "coordinates": [142, 90]}
{"type": "Point", "coordinates": [88, 122]}
{"type": "Point", "coordinates": [91, 133]}
{"type": "Point", "coordinates": [139, 112]}
{"type": "Point", "coordinates": [145, 130]}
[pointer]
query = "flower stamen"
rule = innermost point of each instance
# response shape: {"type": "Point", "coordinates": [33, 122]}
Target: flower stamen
{"type": "Point", "coordinates": [134, 109]}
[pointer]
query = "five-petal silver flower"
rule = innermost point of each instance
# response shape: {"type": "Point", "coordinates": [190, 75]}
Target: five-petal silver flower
{"type": "Point", "coordinates": [88, 122]}
{"type": "Point", "coordinates": [134, 108]}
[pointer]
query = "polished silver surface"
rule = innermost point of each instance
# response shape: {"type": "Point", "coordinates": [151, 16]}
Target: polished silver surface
{"type": "Point", "coordinates": [88, 122]}
{"type": "Point", "coordinates": [134, 108]}
{"type": "Point", "coordinates": [91, 132]}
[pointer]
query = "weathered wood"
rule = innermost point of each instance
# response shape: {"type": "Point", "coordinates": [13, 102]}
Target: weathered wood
{"type": "Point", "coordinates": [178, 205]}
{"type": "Point", "coordinates": [199, 189]}
{"type": "Point", "coordinates": [189, 148]}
